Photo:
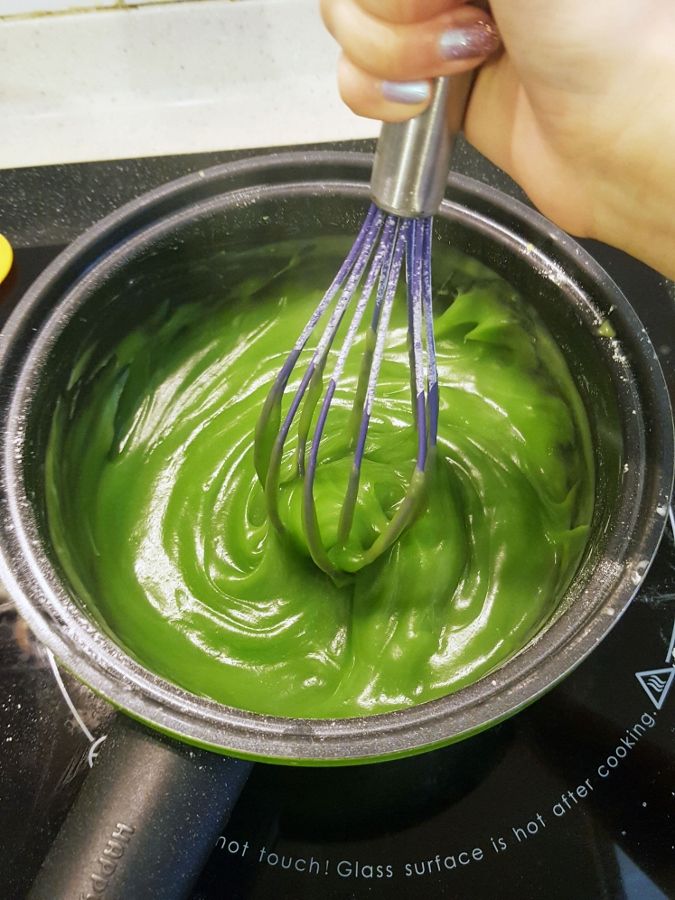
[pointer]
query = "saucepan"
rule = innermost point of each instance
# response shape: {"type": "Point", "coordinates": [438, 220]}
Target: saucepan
{"type": "Point", "coordinates": [154, 804]}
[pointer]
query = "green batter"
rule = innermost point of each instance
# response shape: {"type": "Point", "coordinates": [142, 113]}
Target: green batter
{"type": "Point", "coordinates": [159, 521]}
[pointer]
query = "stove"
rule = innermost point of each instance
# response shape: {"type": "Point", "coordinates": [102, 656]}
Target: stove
{"type": "Point", "coordinates": [572, 798]}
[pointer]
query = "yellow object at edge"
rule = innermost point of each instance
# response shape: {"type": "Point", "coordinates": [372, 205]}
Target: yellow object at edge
{"type": "Point", "coordinates": [6, 258]}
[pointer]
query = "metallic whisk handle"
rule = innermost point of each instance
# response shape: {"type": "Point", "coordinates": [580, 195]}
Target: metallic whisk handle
{"type": "Point", "coordinates": [413, 158]}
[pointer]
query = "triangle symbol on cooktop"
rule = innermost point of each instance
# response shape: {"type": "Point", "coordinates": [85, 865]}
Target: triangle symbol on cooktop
{"type": "Point", "coordinates": [656, 683]}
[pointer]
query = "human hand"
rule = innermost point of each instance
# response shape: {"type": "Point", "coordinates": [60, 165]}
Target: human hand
{"type": "Point", "coordinates": [579, 108]}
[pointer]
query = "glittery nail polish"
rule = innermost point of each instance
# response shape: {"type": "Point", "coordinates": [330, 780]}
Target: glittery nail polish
{"type": "Point", "coordinates": [406, 91]}
{"type": "Point", "coordinates": [469, 42]}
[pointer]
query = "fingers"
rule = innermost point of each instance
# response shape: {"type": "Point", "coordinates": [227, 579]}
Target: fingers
{"type": "Point", "coordinates": [393, 48]}
{"type": "Point", "coordinates": [388, 101]}
{"type": "Point", "coordinates": [442, 45]}
{"type": "Point", "coordinates": [403, 12]}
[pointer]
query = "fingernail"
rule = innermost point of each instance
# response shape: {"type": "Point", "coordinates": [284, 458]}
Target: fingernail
{"type": "Point", "coordinates": [471, 41]}
{"type": "Point", "coordinates": [406, 91]}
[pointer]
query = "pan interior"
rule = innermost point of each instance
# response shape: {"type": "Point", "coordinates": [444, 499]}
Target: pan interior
{"type": "Point", "coordinates": [133, 316]}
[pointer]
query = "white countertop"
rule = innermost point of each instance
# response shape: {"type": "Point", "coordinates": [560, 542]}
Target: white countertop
{"type": "Point", "coordinates": [168, 78]}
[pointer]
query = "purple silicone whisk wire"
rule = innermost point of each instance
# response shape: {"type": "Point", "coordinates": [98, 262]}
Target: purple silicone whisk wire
{"type": "Point", "coordinates": [371, 272]}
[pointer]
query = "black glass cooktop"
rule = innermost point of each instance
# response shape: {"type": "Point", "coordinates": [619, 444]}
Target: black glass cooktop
{"type": "Point", "coordinates": [572, 798]}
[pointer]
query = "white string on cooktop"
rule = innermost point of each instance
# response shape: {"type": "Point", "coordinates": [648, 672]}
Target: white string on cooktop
{"type": "Point", "coordinates": [95, 743]}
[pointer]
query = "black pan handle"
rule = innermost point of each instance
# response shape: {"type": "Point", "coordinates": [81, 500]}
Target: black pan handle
{"type": "Point", "coordinates": [145, 821]}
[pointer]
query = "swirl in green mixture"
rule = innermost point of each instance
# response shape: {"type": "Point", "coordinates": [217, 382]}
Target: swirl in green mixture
{"type": "Point", "coordinates": [159, 521]}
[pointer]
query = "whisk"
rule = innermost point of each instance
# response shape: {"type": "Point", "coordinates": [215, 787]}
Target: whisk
{"type": "Point", "coordinates": [407, 185]}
